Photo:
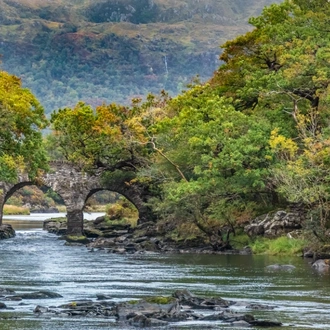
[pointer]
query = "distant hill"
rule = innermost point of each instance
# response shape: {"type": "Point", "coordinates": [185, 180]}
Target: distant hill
{"type": "Point", "coordinates": [112, 50]}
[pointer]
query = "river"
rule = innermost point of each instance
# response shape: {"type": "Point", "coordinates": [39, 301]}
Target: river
{"type": "Point", "coordinates": [36, 260]}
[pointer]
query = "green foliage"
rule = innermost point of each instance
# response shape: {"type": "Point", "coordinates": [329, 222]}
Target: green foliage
{"type": "Point", "coordinates": [240, 240]}
{"type": "Point", "coordinates": [122, 211]}
{"type": "Point", "coordinates": [279, 246]}
{"type": "Point", "coordinates": [14, 200]}
{"type": "Point", "coordinates": [98, 138]}
{"type": "Point", "coordinates": [216, 159]}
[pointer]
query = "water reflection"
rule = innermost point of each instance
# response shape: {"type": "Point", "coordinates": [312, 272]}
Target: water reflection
{"type": "Point", "coordinates": [35, 220]}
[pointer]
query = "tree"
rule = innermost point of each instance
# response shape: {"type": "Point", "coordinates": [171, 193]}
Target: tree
{"type": "Point", "coordinates": [21, 120]}
{"type": "Point", "coordinates": [101, 138]}
{"type": "Point", "coordinates": [216, 161]}
{"type": "Point", "coordinates": [283, 62]}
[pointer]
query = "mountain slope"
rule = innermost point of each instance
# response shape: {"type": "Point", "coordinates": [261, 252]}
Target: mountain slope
{"type": "Point", "coordinates": [110, 50]}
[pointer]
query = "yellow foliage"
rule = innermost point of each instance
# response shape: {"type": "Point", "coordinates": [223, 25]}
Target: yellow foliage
{"type": "Point", "coordinates": [286, 148]}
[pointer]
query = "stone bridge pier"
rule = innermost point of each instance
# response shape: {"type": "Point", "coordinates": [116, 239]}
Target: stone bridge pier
{"type": "Point", "coordinates": [74, 186]}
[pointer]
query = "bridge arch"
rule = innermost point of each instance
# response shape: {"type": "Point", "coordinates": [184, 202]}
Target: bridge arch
{"type": "Point", "coordinates": [75, 187]}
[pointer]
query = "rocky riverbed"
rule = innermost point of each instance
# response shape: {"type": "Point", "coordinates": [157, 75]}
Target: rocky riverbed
{"type": "Point", "coordinates": [148, 312]}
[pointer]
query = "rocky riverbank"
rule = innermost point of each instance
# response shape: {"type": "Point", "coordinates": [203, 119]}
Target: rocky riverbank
{"type": "Point", "coordinates": [122, 238]}
{"type": "Point", "coordinates": [114, 237]}
{"type": "Point", "coordinates": [150, 311]}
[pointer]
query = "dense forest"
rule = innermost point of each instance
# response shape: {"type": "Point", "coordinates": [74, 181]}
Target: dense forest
{"type": "Point", "coordinates": [110, 51]}
{"type": "Point", "coordinates": [254, 138]}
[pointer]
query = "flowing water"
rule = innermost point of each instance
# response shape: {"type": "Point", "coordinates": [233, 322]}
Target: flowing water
{"type": "Point", "coordinates": [36, 260]}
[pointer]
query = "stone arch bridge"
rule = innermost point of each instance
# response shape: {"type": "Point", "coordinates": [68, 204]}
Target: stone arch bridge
{"type": "Point", "coordinates": [75, 187]}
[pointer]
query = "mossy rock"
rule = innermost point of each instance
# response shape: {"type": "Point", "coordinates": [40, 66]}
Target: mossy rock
{"type": "Point", "coordinates": [133, 302]}
{"type": "Point", "coordinates": [160, 300]}
{"type": "Point", "coordinates": [92, 233]}
{"type": "Point", "coordinates": [56, 220]}
{"type": "Point", "coordinates": [77, 239]}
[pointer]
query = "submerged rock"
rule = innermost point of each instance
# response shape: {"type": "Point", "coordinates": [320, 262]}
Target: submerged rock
{"type": "Point", "coordinates": [259, 307]}
{"type": "Point", "coordinates": [276, 267]}
{"type": "Point", "coordinates": [73, 239]}
{"type": "Point", "coordinates": [6, 291]}
{"type": "Point", "coordinates": [142, 321]}
{"type": "Point", "coordinates": [35, 295]}
{"type": "Point", "coordinates": [265, 323]}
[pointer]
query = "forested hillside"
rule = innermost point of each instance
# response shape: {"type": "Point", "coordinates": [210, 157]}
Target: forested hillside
{"type": "Point", "coordinates": [110, 50]}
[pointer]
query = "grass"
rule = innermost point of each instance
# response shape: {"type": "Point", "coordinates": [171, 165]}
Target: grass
{"type": "Point", "coordinates": [279, 246]}
{"type": "Point", "coordinates": [15, 210]}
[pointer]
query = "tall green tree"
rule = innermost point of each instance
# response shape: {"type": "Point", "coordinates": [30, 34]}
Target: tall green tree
{"type": "Point", "coordinates": [216, 160]}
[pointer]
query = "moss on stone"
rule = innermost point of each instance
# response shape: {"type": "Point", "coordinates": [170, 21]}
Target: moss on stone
{"type": "Point", "coordinates": [134, 302]}
{"type": "Point", "coordinates": [59, 220]}
{"type": "Point", "coordinates": [161, 300]}
{"type": "Point", "coordinates": [77, 239]}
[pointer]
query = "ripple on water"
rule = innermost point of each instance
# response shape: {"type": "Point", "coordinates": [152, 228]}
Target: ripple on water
{"type": "Point", "coordinates": [36, 260]}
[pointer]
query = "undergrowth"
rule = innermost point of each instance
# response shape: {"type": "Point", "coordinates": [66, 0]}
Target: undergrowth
{"type": "Point", "coordinates": [279, 246]}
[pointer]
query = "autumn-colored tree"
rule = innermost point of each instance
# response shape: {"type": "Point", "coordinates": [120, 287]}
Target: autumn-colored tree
{"type": "Point", "coordinates": [21, 120]}
{"type": "Point", "coordinates": [116, 139]}
{"type": "Point", "coordinates": [112, 137]}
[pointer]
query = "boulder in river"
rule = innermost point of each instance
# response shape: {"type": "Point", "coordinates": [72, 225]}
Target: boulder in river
{"type": "Point", "coordinates": [321, 264]}
{"type": "Point", "coordinates": [6, 231]}
{"type": "Point", "coordinates": [277, 267]}
{"type": "Point", "coordinates": [2, 306]}
{"type": "Point", "coordinates": [187, 298]}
